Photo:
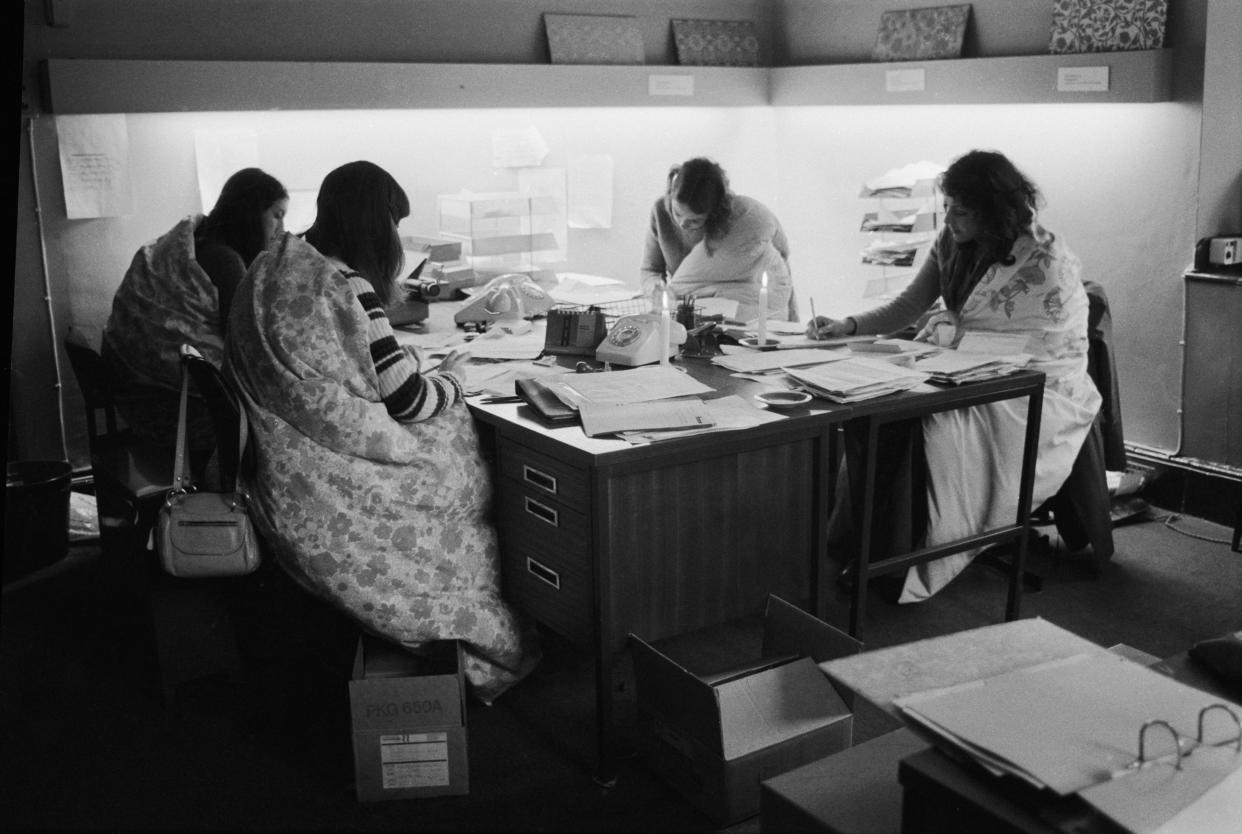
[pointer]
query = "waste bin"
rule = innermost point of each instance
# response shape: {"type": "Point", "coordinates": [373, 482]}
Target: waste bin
{"type": "Point", "coordinates": [36, 515]}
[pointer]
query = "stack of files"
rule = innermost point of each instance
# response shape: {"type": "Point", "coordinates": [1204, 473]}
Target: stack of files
{"type": "Point", "coordinates": [660, 415]}
{"type": "Point", "coordinates": [894, 252]}
{"type": "Point", "coordinates": [957, 366]}
{"type": "Point", "coordinates": [763, 362]}
{"type": "Point", "coordinates": [725, 413]}
{"type": "Point", "coordinates": [1073, 726]}
{"type": "Point", "coordinates": [855, 378]}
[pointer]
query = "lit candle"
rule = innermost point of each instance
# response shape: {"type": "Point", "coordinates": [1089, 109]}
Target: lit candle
{"type": "Point", "coordinates": [666, 327]}
{"type": "Point", "coordinates": [763, 310]}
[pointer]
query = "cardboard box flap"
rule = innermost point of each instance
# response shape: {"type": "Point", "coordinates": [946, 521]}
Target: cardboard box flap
{"type": "Point", "coordinates": [778, 704]}
{"type": "Point", "coordinates": [675, 695]}
{"type": "Point", "coordinates": [788, 629]}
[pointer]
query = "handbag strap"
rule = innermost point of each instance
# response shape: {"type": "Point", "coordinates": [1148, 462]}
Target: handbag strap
{"type": "Point", "coordinates": [181, 480]}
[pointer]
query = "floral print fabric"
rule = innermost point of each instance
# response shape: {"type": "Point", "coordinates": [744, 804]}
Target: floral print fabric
{"type": "Point", "coordinates": [389, 521]}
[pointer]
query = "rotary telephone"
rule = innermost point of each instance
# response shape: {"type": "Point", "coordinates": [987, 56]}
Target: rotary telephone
{"type": "Point", "coordinates": [509, 296]}
{"type": "Point", "coordinates": [635, 340]}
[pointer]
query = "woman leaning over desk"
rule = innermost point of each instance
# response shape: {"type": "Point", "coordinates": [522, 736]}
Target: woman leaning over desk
{"type": "Point", "coordinates": [710, 242]}
{"type": "Point", "coordinates": [994, 268]}
{"type": "Point", "coordinates": [177, 291]}
{"type": "Point", "coordinates": [370, 487]}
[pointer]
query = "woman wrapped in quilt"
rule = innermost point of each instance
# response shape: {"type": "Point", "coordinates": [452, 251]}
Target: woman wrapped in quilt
{"type": "Point", "coordinates": [370, 487]}
{"type": "Point", "coordinates": [994, 268]}
{"type": "Point", "coordinates": [177, 291]}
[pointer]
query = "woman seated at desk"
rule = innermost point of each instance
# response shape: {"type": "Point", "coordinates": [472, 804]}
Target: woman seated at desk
{"type": "Point", "coordinates": [178, 290]}
{"type": "Point", "coordinates": [995, 269]}
{"type": "Point", "coordinates": [710, 242]}
{"type": "Point", "coordinates": [370, 486]}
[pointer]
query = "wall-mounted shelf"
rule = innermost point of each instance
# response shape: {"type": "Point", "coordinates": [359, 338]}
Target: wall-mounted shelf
{"type": "Point", "coordinates": [1139, 76]}
{"type": "Point", "coordinates": [123, 86]}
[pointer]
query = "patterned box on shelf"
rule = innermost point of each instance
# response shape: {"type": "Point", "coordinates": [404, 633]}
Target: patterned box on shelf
{"type": "Point", "coordinates": [594, 39]}
{"type": "Point", "coordinates": [716, 43]}
{"type": "Point", "coordinates": [1107, 25]}
{"type": "Point", "coordinates": [919, 34]}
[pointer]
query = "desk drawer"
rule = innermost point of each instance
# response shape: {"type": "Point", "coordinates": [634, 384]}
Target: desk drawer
{"type": "Point", "coordinates": [530, 516]}
{"type": "Point", "coordinates": [541, 473]}
{"type": "Point", "coordinates": [554, 588]}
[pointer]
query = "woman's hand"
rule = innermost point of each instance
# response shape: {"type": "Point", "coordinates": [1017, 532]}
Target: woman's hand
{"type": "Point", "coordinates": [822, 327]}
{"type": "Point", "coordinates": [456, 363]}
{"type": "Point", "coordinates": [940, 330]}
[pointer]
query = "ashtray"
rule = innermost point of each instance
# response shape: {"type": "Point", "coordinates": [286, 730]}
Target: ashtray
{"type": "Point", "coordinates": [750, 342]}
{"type": "Point", "coordinates": [783, 399]}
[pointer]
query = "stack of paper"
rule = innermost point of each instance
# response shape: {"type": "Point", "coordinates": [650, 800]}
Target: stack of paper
{"type": "Point", "coordinates": [614, 418]}
{"type": "Point", "coordinates": [762, 362]}
{"type": "Point", "coordinates": [957, 366]}
{"type": "Point", "coordinates": [650, 382]}
{"type": "Point", "coordinates": [726, 413]}
{"type": "Point", "coordinates": [855, 378]}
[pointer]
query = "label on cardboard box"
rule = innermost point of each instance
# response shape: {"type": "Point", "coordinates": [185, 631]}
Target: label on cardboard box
{"type": "Point", "coordinates": [414, 760]}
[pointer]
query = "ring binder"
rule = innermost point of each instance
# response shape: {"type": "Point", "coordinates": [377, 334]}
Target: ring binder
{"type": "Point", "coordinates": [1180, 740]}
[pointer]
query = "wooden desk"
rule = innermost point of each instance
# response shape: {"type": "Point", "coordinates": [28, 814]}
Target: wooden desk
{"type": "Point", "coordinates": [600, 538]}
{"type": "Point", "coordinates": [873, 414]}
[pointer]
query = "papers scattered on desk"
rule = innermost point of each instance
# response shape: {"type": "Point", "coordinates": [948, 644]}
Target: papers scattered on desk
{"type": "Point", "coordinates": [758, 362]}
{"type": "Point", "coordinates": [612, 418]}
{"type": "Point", "coordinates": [584, 290]}
{"type": "Point", "coordinates": [957, 366]}
{"type": "Point", "coordinates": [727, 413]}
{"type": "Point", "coordinates": [651, 382]}
{"type": "Point", "coordinates": [1065, 725]}
{"type": "Point", "coordinates": [855, 378]}
{"type": "Point", "coordinates": [894, 253]}
{"type": "Point", "coordinates": [509, 340]}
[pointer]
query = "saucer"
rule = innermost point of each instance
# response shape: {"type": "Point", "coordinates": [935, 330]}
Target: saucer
{"type": "Point", "coordinates": [752, 342]}
{"type": "Point", "coordinates": [783, 399]}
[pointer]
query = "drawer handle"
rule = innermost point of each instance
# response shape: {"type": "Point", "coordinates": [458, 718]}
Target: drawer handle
{"type": "Point", "coordinates": [543, 573]}
{"type": "Point", "coordinates": [542, 511]}
{"type": "Point", "coordinates": [540, 479]}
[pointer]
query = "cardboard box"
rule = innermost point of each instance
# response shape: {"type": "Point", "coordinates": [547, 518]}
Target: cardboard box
{"type": "Point", "coordinates": [408, 715]}
{"type": "Point", "coordinates": [716, 737]}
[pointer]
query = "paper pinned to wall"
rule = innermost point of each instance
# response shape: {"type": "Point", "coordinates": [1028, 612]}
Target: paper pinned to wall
{"type": "Point", "coordinates": [548, 183]}
{"type": "Point", "coordinates": [219, 154]}
{"type": "Point", "coordinates": [518, 148]}
{"type": "Point", "coordinates": [94, 165]}
{"type": "Point", "coordinates": [590, 191]}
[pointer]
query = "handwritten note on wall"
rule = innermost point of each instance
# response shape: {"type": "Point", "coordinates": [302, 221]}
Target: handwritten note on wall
{"type": "Point", "coordinates": [94, 165]}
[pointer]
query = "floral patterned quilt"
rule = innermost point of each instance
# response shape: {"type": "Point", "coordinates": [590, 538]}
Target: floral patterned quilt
{"type": "Point", "coordinates": [389, 521]}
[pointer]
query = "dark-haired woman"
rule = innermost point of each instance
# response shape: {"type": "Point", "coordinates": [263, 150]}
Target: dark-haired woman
{"type": "Point", "coordinates": [709, 242]}
{"type": "Point", "coordinates": [178, 290]}
{"type": "Point", "coordinates": [370, 486]}
{"type": "Point", "coordinates": [996, 269]}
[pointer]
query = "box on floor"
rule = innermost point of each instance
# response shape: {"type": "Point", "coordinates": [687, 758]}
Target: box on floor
{"type": "Point", "coordinates": [408, 717]}
{"type": "Point", "coordinates": [716, 737]}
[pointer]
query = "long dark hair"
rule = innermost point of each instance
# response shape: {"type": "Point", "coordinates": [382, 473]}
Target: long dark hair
{"type": "Point", "coordinates": [703, 187]}
{"type": "Point", "coordinates": [357, 212]}
{"type": "Point", "coordinates": [236, 219]}
{"type": "Point", "coordinates": [1005, 201]}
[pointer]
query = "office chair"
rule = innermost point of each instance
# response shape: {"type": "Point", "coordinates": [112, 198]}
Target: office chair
{"type": "Point", "coordinates": [131, 476]}
{"type": "Point", "coordinates": [1081, 510]}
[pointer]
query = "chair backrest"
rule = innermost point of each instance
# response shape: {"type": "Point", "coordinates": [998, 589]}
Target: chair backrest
{"type": "Point", "coordinates": [93, 376]}
{"type": "Point", "coordinates": [224, 407]}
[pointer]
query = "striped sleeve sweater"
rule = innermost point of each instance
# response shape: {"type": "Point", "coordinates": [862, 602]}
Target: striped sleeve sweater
{"type": "Point", "coordinates": [408, 395]}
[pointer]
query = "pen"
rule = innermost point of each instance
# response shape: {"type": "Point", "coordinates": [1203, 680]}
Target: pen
{"type": "Point", "coordinates": [813, 324]}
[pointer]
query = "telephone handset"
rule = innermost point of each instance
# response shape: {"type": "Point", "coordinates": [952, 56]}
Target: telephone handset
{"type": "Point", "coordinates": [635, 340]}
{"type": "Point", "coordinates": [510, 296]}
